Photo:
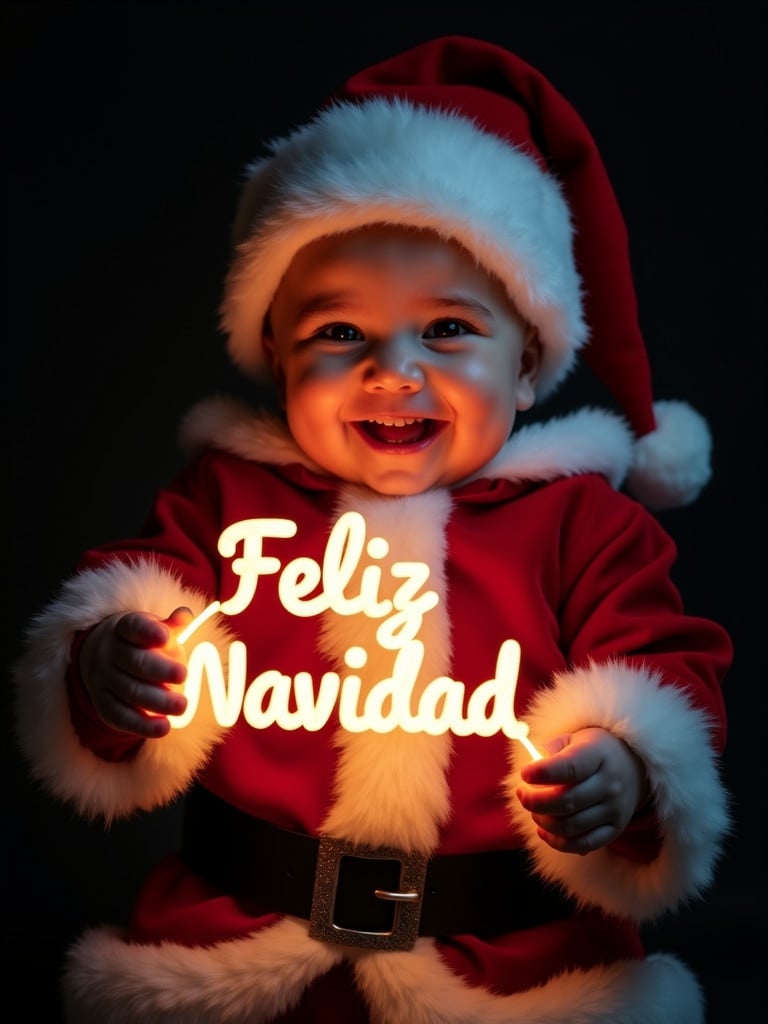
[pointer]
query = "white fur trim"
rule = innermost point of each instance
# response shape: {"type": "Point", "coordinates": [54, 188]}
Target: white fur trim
{"type": "Point", "coordinates": [391, 788]}
{"type": "Point", "coordinates": [252, 980]}
{"type": "Point", "coordinates": [398, 163]}
{"type": "Point", "coordinates": [418, 988]}
{"type": "Point", "coordinates": [161, 769]}
{"type": "Point", "coordinates": [671, 465]}
{"type": "Point", "coordinates": [234, 426]}
{"type": "Point", "coordinates": [244, 981]}
{"type": "Point", "coordinates": [690, 801]}
{"type": "Point", "coordinates": [587, 441]}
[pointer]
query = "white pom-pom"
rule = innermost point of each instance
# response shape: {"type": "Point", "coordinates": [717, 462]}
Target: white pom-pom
{"type": "Point", "coordinates": [671, 465]}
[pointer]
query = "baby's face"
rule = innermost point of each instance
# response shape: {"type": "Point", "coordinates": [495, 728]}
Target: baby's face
{"type": "Point", "coordinates": [402, 364]}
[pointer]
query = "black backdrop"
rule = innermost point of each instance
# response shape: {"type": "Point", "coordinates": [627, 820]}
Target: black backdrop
{"type": "Point", "coordinates": [126, 130]}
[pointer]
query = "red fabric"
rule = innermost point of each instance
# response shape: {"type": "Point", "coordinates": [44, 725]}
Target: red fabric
{"type": "Point", "coordinates": [572, 570]}
{"type": "Point", "coordinates": [515, 101]}
{"type": "Point", "coordinates": [331, 998]}
{"type": "Point", "coordinates": [513, 963]}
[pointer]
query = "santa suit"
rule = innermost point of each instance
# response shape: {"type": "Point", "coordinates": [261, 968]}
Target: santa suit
{"type": "Point", "coordinates": [541, 549]}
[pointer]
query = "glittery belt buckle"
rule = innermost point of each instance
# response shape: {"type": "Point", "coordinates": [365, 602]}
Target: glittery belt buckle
{"type": "Point", "coordinates": [367, 896]}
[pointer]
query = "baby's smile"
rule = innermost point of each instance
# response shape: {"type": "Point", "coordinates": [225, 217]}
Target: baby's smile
{"type": "Point", "coordinates": [400, 431]}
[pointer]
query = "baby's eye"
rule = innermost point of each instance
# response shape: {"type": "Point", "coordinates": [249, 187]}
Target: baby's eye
{"type": "Point", "coordinates": [448, 328]}
{"type": "Point", "coordinates": [340, 332]}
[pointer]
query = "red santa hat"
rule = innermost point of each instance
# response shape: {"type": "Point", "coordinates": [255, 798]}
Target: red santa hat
{"type": "Point", "coordinates": [465, 138]}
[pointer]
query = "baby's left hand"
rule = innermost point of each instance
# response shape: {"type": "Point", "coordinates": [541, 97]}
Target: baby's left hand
{"type": "Point", "coordinates": [585, 793]}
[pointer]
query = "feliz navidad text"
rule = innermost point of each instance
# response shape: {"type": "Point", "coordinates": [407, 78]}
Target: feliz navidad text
{"type": "Point", "coordinates": [308, 588]}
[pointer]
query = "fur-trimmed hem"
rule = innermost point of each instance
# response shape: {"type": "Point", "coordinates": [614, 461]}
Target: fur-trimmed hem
{"type": "Point", "coordinates": [255, 979]}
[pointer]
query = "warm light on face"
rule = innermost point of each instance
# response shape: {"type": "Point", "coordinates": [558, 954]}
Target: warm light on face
{"type": "Point", "coordinates": [402, 362]}
{"type": "Point", "coordinates": [308, 588]}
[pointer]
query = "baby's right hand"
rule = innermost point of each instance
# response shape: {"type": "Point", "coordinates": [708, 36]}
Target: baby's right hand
{"type": "Point", "coordinates": [126, 664]}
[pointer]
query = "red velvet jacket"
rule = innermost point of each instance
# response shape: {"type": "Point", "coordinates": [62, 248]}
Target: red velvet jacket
{"type": "Point", "coordinates": [563, 563]}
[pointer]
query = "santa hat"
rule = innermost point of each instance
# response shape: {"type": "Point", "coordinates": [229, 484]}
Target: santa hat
{"type": "Point", "coordinates": [465, 138]}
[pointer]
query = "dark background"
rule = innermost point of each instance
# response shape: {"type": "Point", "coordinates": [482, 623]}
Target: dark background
{"type": "Point", "coordinates": [126, 130]}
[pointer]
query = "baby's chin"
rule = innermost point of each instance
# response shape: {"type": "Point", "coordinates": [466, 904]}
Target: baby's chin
{"type": "Point", "coordinates": [401, 484]}
{"type": "Point", "coordinates": [395, 490]}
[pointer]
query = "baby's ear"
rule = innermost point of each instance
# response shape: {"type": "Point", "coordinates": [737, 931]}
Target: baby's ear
{"type": "Point", "coordinates": [530, 365]}
{"type": "Point", "coordinates": [273, 359]}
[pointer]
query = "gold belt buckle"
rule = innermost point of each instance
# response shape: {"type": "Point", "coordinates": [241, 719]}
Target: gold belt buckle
{"type": "Point", "coordinates": [406, 899]}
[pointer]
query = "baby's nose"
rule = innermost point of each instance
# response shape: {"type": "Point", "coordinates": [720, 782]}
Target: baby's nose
{"type": "Point", "coordinates": [395, 365]}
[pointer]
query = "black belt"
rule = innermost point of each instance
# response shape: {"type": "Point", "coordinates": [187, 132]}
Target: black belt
{"type": "Point", "coordinates": [373, 897]}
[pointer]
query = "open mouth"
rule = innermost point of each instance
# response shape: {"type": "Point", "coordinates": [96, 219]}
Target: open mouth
{"type": "Point", "coordinates": [398, 431]}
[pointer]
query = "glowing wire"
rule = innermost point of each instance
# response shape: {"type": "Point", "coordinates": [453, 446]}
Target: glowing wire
{"type": "Point", "coordinates": [187, 632]}
{"type": "Point", "coordinates": [535, 755]}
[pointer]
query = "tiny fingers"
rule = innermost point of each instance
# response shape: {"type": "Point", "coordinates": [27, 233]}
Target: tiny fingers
{"type": "Point", "coordinates": [582, 844]}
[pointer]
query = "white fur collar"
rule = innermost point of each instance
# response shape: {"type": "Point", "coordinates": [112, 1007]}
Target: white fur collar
{"type": "Point", "coordinates": [590, 440]}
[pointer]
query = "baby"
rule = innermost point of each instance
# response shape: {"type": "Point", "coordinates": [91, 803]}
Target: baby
{"type": "Point", "coordinates": [446, 734]}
